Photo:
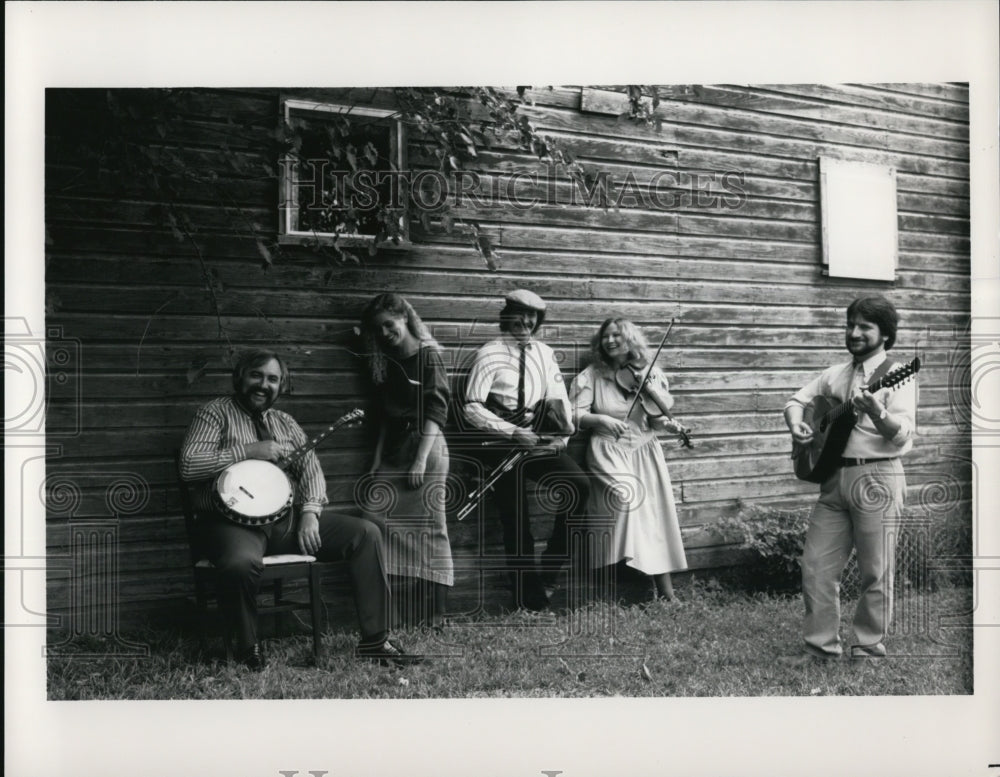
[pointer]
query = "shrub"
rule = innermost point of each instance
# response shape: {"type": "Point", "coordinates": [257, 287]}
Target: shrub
{"type": "Point", "coordinates": [777, 537]}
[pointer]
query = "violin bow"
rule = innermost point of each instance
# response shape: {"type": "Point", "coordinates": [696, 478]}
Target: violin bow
{"type": "Point", "coordinates": [649, 370]}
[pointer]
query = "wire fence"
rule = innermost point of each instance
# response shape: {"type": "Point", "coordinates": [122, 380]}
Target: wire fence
{"type": "Point", "coordinates": [929, 552]}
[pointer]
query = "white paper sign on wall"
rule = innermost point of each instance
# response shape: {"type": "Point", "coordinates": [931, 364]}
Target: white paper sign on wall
{"type": "Point", "coordinates": [858, 207]}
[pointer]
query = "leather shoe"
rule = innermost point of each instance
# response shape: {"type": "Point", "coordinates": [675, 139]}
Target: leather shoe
{"type": "Point", "coordinates": [805, 659]}
{"type": "Point", "coordinates": [859, 652]}
{"type": "Point", "coordinates": [550, 584]}
{"type": "Point", "coordinates": [529, 594]}
{"type": "Point", "coordinates": [252, 657]}
{"type": "Point", "coordinates": [388, 653]}
{"type": "Point", "coordinates": [537, 599]}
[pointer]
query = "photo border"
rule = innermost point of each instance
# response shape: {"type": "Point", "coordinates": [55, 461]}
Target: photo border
{"type": "Point", "coordinates": [268, 44]}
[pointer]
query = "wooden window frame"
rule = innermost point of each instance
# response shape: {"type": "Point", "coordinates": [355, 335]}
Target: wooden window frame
{"type": "Point", "coordinates": [288, 207]}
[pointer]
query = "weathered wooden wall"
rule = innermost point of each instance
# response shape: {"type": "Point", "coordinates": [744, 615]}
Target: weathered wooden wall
{"type": "Point", "coordinates": [755, 315]}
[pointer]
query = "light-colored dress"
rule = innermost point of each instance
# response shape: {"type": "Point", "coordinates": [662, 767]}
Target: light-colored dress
{"type": "Point", "coordinates": [632, 486]}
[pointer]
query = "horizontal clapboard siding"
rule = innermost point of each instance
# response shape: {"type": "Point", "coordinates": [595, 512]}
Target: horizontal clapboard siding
{"type": "Point", "coordinates": [756, 317]}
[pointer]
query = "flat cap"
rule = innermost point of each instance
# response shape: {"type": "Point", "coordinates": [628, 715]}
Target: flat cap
{"type": "Point", "coordinates": [526, 299]}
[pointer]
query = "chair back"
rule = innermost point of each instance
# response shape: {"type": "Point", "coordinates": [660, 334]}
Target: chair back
{"type": "Point", "coordinates": [187, 504]}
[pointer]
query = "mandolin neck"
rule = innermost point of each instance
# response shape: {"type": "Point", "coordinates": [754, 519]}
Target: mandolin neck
{"type": "Point", "coordinates": [847, 407]}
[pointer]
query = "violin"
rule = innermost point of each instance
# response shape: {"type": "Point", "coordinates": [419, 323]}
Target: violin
{"type": "Point", "coordinates": [633, 379]}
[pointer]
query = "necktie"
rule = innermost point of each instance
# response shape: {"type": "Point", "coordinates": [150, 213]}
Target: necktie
{"type": "Point", "coordinates": [856, 383]}
{"type": "Point", "coordinates": [520, 375]}
{"type": "Point", "coordinates": [263, 433]}
{"type": "Point", "coordinates": [859, 378]}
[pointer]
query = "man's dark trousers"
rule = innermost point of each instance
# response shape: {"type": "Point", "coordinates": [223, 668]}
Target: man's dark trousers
{"type": "Point", "coordinates": [237, 553]}
{"type": "Point", "coordinates": [561, 483]}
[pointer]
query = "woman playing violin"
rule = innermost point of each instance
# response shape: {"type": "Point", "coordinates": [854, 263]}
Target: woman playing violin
{"type": "Point", "coordinates": [625, 456]}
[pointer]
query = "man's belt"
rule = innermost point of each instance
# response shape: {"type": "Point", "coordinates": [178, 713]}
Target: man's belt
{"type": "Point", "coordinates": [545, 417]}
{"type": "Point", "coordinates": [846, 462]}
{"type": "Point", "coordinates": [525, 417]}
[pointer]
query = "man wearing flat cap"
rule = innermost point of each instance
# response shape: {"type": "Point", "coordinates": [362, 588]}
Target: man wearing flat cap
{"type": "Point", "coordinates": [515, 394]}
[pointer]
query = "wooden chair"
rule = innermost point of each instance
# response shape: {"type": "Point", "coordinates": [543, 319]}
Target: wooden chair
{"type": "Point", "coordinates": [277, 571]}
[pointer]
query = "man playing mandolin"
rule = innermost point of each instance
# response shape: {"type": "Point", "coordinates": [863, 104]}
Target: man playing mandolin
{"type": "Point", "coordinates": [242, 427]}
{"type": "Point", "coordinates": [862, 497]}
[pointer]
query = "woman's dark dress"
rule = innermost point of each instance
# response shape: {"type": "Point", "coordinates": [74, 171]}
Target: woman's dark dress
{"type": "Point", "coordinates": [415, 390]}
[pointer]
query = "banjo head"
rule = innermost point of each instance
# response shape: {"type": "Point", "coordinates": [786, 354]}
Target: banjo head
{"type": "Point", "coordinates": [253, 492]}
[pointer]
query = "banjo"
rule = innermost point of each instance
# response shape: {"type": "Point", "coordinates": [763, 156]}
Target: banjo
{"type": "Point", "coordinates": [255, 492]}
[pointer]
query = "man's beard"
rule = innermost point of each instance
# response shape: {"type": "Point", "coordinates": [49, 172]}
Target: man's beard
{"type": "Point", "coordinates": [520, 330]}
{"type": "Point", "coordinates": [865, 349]}
{"type": "Point", "coordinates": [248, 399]}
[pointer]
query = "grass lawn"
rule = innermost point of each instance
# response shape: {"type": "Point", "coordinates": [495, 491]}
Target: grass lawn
{"type": "Point", "coordinates": [716, 642]}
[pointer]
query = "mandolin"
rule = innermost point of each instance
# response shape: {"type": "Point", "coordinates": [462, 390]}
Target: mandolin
{"type": "Point", "coordinates": [832, 423]}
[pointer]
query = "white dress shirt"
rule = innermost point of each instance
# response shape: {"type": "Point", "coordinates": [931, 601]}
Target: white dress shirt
{"type": "Point", "coordinates": [494, 374]}
{"type": "Point", "coordinates": [866, 442]}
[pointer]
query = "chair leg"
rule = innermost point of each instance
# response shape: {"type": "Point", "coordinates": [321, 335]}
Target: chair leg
{"type": "Point", "coordinates": [316, 609]}
{"type": "Point", "coordinates": [224, 619]}
{"type": "Point", "coordinates": [201, 616]}
{"type": "Point", "coordinates": [228, 630]}
{"type": "Point", "coordinates": [281, 625]}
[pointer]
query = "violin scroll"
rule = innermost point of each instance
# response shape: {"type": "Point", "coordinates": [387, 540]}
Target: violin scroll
{"type": "Point", "coordinates": [684, 435]}
{"type": "Point", "coordinates": [683, 432]}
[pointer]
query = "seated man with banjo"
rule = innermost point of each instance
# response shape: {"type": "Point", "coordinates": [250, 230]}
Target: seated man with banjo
{"type": "Point", "coordinates": [263, 493]}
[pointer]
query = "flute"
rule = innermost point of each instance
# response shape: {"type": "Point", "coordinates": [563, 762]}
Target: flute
{"type": "Point", "coordinates": [498, 472]}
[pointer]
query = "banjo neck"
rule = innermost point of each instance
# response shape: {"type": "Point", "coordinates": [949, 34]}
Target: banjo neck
{"type": "Point", "coordinates": [349, 418]}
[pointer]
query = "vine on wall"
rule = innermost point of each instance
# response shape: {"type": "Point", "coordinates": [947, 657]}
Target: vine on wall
{"type": "Point", "coordinates": [145, 144]}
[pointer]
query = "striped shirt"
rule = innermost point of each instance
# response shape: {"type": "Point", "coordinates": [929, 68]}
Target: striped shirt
{"type": "Point", "coordinates": [219, 435]}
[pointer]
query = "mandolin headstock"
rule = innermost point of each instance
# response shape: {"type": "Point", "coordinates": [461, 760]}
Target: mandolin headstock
{"type": "Point", "coordinates": [897, 377]}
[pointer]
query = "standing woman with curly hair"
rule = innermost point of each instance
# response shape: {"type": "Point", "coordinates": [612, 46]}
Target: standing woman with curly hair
{"type": "Point", "coordinates": [624, 456]}
{"type": "Point", "coordinates": [410, 464]}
